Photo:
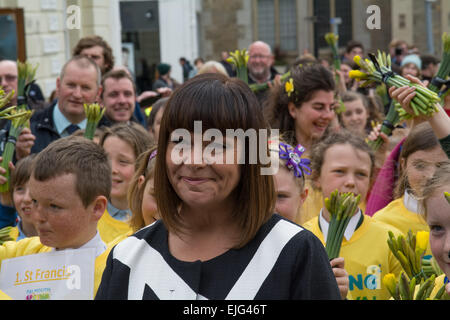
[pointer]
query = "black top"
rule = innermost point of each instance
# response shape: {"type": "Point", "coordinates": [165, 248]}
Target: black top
{"type": "Point", "coordinates": [283, 261]}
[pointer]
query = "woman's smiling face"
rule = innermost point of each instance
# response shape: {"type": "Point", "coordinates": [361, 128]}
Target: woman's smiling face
{"type": "Point", "coordinates": [202, 184]}
{"type": "Point", "coordinates": [313, 117]}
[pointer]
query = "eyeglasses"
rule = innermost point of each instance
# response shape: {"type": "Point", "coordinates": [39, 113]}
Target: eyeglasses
{"type": "Point", "coordinates": [259, 56]}
{"type": "Point", "coordinates": [8, 78]}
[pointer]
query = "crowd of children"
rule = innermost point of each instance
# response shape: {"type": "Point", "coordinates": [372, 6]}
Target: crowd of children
{"type": "Point", "coordinates": [77, 193]}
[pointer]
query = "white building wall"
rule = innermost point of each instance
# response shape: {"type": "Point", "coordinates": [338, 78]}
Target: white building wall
{"type": "Point", "coordinates": [178, 33]}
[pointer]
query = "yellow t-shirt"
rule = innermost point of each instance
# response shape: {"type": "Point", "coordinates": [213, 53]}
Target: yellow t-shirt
{"type": "Point", "coordinates": [100, 262]}
{"type": "Point", "coordinates": [110, 228]}
{"type": "Point", "coordinates": [313, 204]}
{"type": "Point", "coordinates": [367, 258]}
{"type": "Point", "coordinates": [33, 245]}
{"type": "Point", "coordinates": [398, 216]}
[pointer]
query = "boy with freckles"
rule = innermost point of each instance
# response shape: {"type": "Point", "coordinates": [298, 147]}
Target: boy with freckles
{"type": "Point", "coordinates": [69, 187]}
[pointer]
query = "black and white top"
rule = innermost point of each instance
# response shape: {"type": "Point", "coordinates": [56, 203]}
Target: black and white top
{"type": "Point", "coordinates": [283, 261]}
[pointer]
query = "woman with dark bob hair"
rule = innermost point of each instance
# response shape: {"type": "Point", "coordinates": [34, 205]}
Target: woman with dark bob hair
{"type": "Point", "coordinates": [217, 237]}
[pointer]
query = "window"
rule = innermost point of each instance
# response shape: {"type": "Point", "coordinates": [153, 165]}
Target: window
{"type": "Point", "coordinates": [322, 12]}
{"type": "Point", "coordinates": [12, 35]}
{"type": "Point", "coordinates": [276, 22]}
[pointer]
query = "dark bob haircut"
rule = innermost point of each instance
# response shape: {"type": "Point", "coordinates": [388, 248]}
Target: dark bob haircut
{"type": "Point", "coordinates": [220, 103]}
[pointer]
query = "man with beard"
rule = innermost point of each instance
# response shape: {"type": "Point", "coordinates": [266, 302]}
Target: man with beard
{"type": "Point", "coordinates": [260, 67]}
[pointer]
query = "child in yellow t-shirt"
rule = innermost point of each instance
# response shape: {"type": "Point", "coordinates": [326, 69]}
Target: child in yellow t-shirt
{"type": "Point", "coordinates": [436, 205]}
{"type": "Point", "coordinates": [140, 199]}
{"type": "Point", "coordinates": [19, 197]}
{"type": "Point", "coordinates": [123, 143]}
{"type": "Point", "coordinates": [421, 154]}
{"type": "Point", "coordinates": [344, 162]}
{"type": "Point", "coordinates": [69, 184]}
{"type": "Point", "coordinates": [291, 193]}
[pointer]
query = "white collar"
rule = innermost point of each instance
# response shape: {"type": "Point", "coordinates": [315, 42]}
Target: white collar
{"type": "Point", "coordinates": [96, 242]}
{"type": "Point", "coordinates": [351, 227]}
{"type": "Point", "coordinates": [411, 202]}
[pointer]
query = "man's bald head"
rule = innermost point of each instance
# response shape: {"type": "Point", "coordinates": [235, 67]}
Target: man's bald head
{"type": "Point", "coordinates": [260, 60]}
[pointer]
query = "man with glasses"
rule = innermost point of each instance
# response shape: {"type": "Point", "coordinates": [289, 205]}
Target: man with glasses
{"type": "Point", "coordinates": [260, 67]}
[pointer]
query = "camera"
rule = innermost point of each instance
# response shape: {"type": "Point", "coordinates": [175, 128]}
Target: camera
{"type": "Point", "coordinates": [398, 51]}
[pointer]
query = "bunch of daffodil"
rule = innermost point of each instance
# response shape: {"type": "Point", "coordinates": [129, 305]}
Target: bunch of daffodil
{"type": "Point", "coordinates": [410, 251]}
{"type": "Point", "coordinates": [19, 117]}
{"type": "Point", "coordinates": [379, 70]}
{"type": "Point", "coordinates": [8, 234]}
{"type": "Point", "coordinates": [444, 68]}
{"type": "Point", "coordinates": [5, 98]}
{"type": "Point", "coordinates": [430, 267]}
{"type": "Point", "coordinates": [388, 125]}
{"type": "Point", "coordinates": [256, 87]}
{"type": "Point", "coordinates": [332, 40]}
{"type": "Point", "coordinates": [341, 207]}
{"type": "Point", "coordinates": [405, 288]}
{"type": "Point", "coordinates": [26, 74]}
{"type": "Point", "coordinates": [240, 60]}
{"type": "Point", "coordinates": [94, 112]}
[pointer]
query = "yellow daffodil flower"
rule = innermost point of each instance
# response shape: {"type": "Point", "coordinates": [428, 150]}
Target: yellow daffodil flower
{"type": "Point", "coordinates": [447, 196]}
{"type": "Point", "coordinates": [390, 282]}
{"type": "Point", "coordinates": [422, 238]}
{"type": "Point", "coordinates": [289, 86]}
{"type": "Point", "coordinates": [358, 75]}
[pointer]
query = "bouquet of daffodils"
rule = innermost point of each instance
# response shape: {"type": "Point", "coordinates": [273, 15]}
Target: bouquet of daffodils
{"type": "Point", "coordinates": [405, 288]}
{"type": "Point", "coordinates": [332, 40]}
{"type": "Point", "coordinates": [444, 68]}
{"type": "Point", "coordinates": [26, 75]}
{"type": "Point", "coordinates": [341, 207]}
{"type": "Point", "coordinates": [240, 60]}
{"type": "Point", "coordinates": [379, 70]}
{"type": "Point", "coordinates": [256, 87]}
{"type": "Point", "coordinates": [5, 98]}
{"type": "Point", "coordinates": [8, 234]}
{"type": "Point", "coordinates": [410, 251]}
{"type": "Point", "coordinates": [94, 112]}
{"type": "Point", "coordinates": [19, 117]}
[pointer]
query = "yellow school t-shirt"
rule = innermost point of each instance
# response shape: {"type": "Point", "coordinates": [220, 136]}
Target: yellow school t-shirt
{"type": "Point", "coordinates": [367, 258]}
{"type": "Point", "coordinates": [397, 215]}
{"type": "Point", "coordinates": [110, 228]}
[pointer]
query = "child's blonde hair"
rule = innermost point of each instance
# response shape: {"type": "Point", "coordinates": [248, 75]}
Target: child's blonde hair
{"type": "Point", "coordinates": [145, 166]}
{"type": "Point", "coordinates": [134, 134]}
{"type": "Point", "coordinates": [439, 181]}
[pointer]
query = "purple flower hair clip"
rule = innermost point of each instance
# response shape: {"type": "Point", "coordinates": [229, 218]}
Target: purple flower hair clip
{"type": "Point", "coordinates": [294, 160]}
{"type": "Point", "coordinates": [152, 155]}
